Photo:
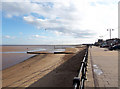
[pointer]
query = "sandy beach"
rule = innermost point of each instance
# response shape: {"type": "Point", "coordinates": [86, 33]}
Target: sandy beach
{"type": "Point", "coordinates": [19, 48]}
{"type": "Point", "coordinates": [44, 70]}
{"type": "Point", "coordinates": [14, 54]}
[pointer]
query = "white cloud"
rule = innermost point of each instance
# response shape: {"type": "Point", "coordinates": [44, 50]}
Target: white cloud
{"type": "Point", "coordinates": [38, 36]}
{"type": "Point", "coordinates": [21, 33]}
{"type": "Point", "coordinates": [80, 18]}
{"type": "Point", "coordinates": [9, 37]}
{"type": "Point", "coordinates": [29, 18]}
{"type": "Point", "coordinates": [58, 33]}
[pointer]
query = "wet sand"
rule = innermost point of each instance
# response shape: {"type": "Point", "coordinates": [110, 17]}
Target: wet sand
{"type": "Point", "coordinates": [20, 48]}
{"type": "Point", "coordinates": [14, 54]}
{"type": "Point", "coordinates": [10, 59]}
{"type": "Point", "coordinates": [15, 48]}
{"type": "Point", "coordinates": [44, 70]}
{"type": "Point", "coordinates": [31, 47]}
{"type": "Point", "coordinates": [19, 54]}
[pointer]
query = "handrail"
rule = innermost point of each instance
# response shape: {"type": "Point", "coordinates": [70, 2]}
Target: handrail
{"type": "Point", "coordinates": [78, 82]}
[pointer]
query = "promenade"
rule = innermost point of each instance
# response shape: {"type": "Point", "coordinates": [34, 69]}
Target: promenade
{"type": "Point", "coordinates": [104, 67]}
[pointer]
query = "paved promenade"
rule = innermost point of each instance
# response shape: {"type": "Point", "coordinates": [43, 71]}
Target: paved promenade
{"type": "Point", "coordinates": [105, 67]}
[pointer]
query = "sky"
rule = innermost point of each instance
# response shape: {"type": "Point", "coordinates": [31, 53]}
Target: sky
{"type": "Point", "coordinates": [39, 22]}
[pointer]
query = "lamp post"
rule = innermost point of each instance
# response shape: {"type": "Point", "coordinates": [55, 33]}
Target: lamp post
{"type": "Point", "coordinates": [110, 31]}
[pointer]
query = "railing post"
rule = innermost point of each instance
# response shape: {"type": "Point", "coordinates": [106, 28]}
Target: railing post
{"type": "Point", "coordinates": [76, 82]}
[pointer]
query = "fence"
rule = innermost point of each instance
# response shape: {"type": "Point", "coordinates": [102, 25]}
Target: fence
{"type": "Point", "coordinates": [78, 82]}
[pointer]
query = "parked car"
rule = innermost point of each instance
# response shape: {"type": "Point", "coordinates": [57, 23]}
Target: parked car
{"type": "Point", "coordinates": [115, 47]}
{"type": "Point", "coordinates": [104, 46]}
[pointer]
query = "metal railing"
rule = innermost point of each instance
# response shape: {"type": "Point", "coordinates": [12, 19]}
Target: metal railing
{"type": "Point", "coordinates": [78, 82]}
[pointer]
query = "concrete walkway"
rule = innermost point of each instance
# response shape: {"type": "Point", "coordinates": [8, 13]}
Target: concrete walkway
{"type": "Point", "coordinates": [105, 67]}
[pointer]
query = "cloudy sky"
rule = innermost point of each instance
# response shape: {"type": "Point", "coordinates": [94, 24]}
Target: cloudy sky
{"type": "Point", "coordinates": [58, 21]}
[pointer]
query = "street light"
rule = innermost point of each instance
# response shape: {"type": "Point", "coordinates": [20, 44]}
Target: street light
{"type": "Point", "coordinates": [110, 31]}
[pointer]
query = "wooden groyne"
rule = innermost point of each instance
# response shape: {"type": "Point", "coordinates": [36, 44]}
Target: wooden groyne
{"type": "Point", "coordinates": [40, 52]}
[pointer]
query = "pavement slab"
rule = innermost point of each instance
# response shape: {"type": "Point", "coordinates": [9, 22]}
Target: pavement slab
{"type": "Point", "coordinates": [105, 67]}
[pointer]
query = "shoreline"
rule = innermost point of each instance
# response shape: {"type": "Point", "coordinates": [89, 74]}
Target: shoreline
{"type": "Point", "coordinates": [31, 70]}
{"type": "Point", "coordinates": [19, 62]}
{"type": "Point", "coordinates": [12, 55]}
{"type": "Point", "coordinates": [9, 60]}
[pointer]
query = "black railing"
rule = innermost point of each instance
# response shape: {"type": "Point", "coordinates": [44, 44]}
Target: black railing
{"type": "Point", "coordinates": [78, 82]}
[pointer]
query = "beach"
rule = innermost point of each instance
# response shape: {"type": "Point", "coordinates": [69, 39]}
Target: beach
{"type": "Point", "coordinates": [45, 70]}
{"type": "Point", "coordinates": [14, 54]}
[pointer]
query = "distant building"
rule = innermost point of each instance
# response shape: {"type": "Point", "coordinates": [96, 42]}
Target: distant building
{"type": "Point", "coordinates": [99, 42]}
